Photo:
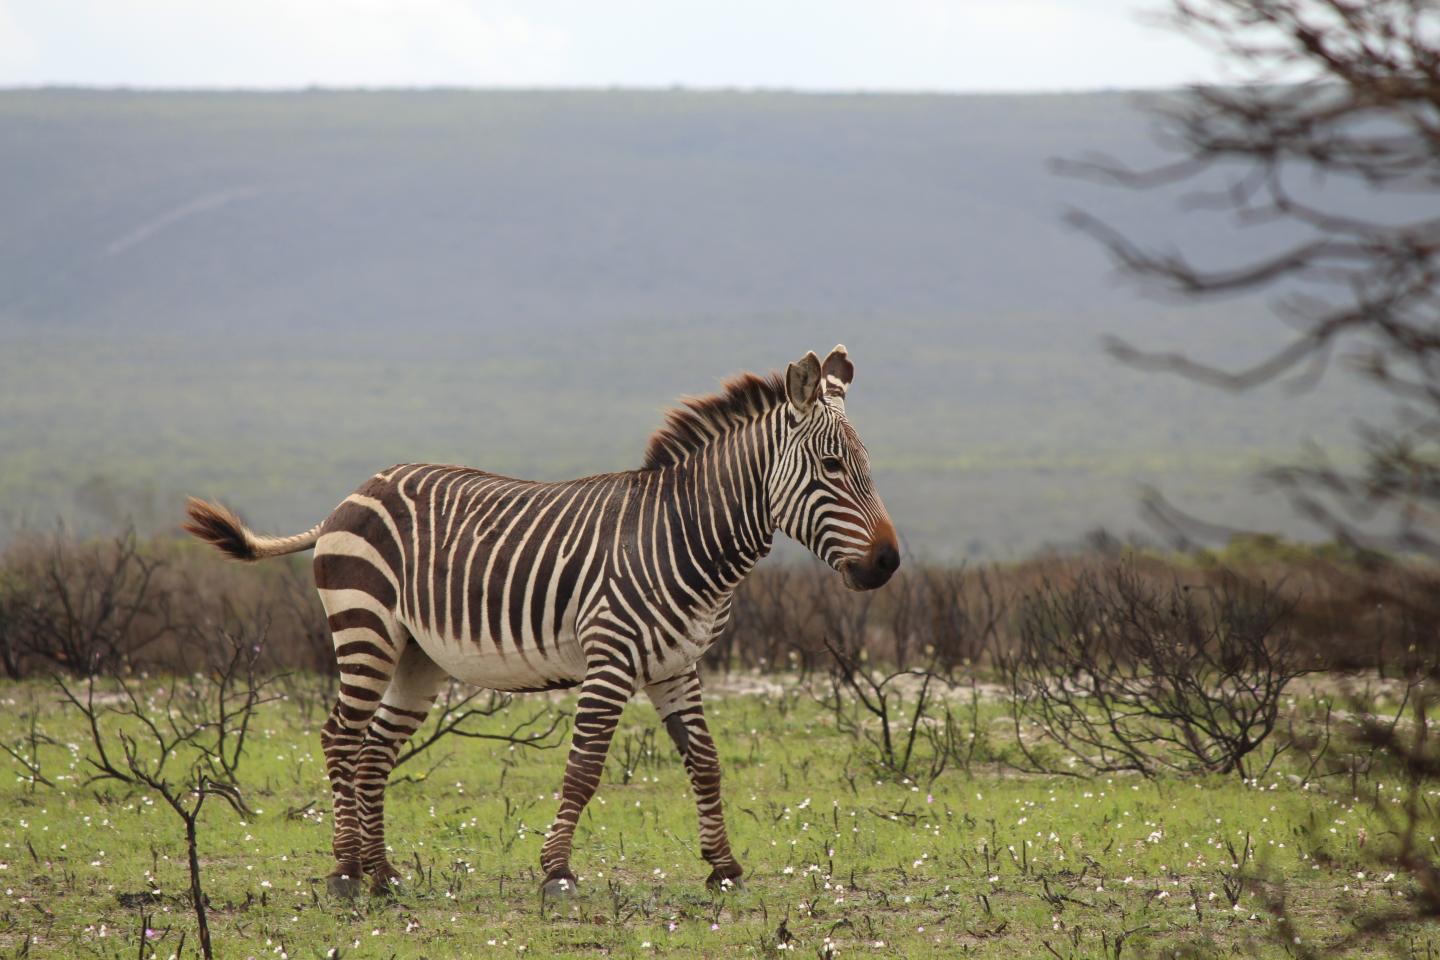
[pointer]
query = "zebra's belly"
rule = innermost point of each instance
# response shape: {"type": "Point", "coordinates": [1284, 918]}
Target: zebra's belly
{"type": "Point", "coordinates": [484, 664]}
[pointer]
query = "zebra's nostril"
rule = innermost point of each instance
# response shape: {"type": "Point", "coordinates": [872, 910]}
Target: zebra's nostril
{"type": "Point", "coordinates": [888, 559]}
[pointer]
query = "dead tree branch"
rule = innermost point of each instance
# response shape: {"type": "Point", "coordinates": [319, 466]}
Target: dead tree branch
{"type": "Point", "coordinates": [1336, 99]}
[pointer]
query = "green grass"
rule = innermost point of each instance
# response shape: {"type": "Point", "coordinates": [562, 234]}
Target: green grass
{"type": "Point", "coordinates": [986, 864]}
{"type": "Point", "coordinates": [282, 426]}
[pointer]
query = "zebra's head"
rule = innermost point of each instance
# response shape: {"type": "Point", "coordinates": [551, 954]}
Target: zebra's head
{"type": "Point", "coordinates": [821, 493]}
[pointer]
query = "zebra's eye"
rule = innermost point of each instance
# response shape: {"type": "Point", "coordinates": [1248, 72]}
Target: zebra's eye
{"type": "Point", "coordinates": [832, 465]}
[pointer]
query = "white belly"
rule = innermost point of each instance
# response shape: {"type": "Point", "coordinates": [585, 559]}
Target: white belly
{"type": "Point", "coordinates": [483, 664]}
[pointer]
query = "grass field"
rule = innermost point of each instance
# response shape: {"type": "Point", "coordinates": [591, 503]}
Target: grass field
{"type": "Point", "coordinates": [985, 863]}
{"type": "Point", "coordinates": [282, 435]}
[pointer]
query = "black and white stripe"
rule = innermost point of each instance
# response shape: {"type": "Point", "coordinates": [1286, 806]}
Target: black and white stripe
{"type": "Point", "coordinates": [611, 583]}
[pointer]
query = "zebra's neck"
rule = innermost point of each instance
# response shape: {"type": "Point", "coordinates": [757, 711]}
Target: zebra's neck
{"type": "Point", "coordinates": [722, 502]}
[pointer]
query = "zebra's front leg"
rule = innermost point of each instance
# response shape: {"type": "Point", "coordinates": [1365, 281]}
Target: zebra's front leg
{"type": "Point", "coordinates": [679, 705]}
{"type": "Point", "coordinates": [609, 683]}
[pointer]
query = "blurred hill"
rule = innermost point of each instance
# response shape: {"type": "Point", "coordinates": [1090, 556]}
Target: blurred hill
{"type": "Point", "coordinates": [266, 297]}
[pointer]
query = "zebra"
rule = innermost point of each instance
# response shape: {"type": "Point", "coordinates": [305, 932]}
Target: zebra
{"type": "Point", "coordinates": [611, 583]}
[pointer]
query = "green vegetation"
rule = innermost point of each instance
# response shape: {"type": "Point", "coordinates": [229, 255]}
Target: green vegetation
{"type": "Point", "coordinates": [988, 863]}
{"type": "Point", "coordinates": [283, 427]}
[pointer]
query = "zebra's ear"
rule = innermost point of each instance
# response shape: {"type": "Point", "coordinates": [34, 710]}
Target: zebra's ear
{"type": "Point", "coordinates": [802, 383]}
{"type": "Point", "coordinates": [839, 371]}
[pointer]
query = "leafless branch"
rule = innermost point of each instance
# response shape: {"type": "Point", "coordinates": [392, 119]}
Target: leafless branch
{"type": "Point", "coordinates": [455, 712]}
{"type": "Point", "coordinates": [1124, 676]}
{"type": "Point", "coordinates": [136, 733]}
{"type": "Point", "coordinates": [1331, 91]}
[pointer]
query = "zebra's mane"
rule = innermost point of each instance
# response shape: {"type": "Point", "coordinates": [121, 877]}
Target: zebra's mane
{"type": "Point", "coordinates": [699, 421]}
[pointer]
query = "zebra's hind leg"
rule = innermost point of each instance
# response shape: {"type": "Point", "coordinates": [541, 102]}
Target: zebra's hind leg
{"type": "Point", "coordinates": [407, 703]}
{"type": "Point", "coordinates": [680, 708]}
{"type": "Point", "coordinates": [341, 738]}
{"type": "Point", "coordinates": [366, 648]}
{"type": "Point", "coordinates": [609, 683]}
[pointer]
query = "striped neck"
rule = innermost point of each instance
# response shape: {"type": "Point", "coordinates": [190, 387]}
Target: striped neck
{"type": "Point", "coordinates": [722, 502]}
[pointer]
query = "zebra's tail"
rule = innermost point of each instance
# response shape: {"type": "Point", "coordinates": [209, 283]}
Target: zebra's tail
{"type": "Point", "coordinates": [218, 526]}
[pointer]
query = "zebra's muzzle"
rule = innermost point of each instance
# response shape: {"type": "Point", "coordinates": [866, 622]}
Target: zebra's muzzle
{"type": "Point", "coordinates": [874, 571]}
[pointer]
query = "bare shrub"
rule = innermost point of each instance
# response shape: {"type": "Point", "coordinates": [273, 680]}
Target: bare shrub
{"type": "Point", "coordinates": [462, 705]}
{"type": "Point", "coordinates": [25, 749]}
{"type": "Point", "coordinates": [948, 617]}
{"type": "Point", "coordinates": [84, 608]}
{"type": "Point", "coordinates": [183, 741]}
{"type": "Point", "coordinates": [1352, 611]}
{"type": "Point", "coordinates": [1399, 747]}
{"type": "Point", "coordinates": [126, 605]}
{"type": "Point", "coordinates": [309, 646]}
{"type": "Point", "coordinates": [114, 606]}
{"type": "Point", "coordinates": [1352, 734]}
{"type": "Point", "coordinates": [878, 708]}
{"type": "Point", "coordinates": [771, 627]}
{"type": "Point", "coordinates": [1125, 676]}
{"type": "Point", "coordinates": [907, 720]}
{"type": "Point", "coordinates": [952, 617]}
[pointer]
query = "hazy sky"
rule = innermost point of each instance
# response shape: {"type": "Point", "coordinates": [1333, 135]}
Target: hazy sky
{"type": "Point", "coordinates": [959, 45]}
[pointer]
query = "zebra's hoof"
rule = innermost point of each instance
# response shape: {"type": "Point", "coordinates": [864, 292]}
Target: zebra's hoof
{"type": "Point", "coordinates": [559, 887]}
{"type": "Point", "coordinates": [725, 880]}
{"type": "Point", "coordinates": [343, 885]}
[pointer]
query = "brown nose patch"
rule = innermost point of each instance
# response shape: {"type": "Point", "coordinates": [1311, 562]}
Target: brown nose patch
{"type": "Point", "coordinates": [884, 536]}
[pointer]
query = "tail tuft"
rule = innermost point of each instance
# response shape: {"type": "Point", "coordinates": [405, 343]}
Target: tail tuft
{"type": "Point", "coordinates": [218, 526]}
